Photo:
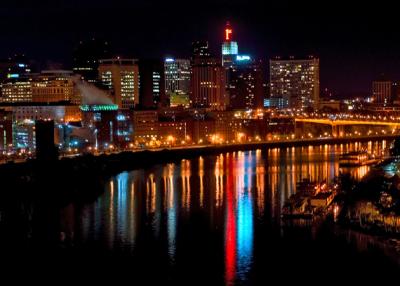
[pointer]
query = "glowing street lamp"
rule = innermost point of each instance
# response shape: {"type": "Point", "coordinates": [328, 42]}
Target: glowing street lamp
{"type": "Point", "coordinates": [170, 140]}
{"type": "Point", "coordinates": [240, 136]}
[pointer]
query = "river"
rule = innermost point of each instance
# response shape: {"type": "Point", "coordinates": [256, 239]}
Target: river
{"type": "Point", "coordinates": [209, 220]}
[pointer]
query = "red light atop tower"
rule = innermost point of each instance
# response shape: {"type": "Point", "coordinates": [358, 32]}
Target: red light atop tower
{"type": "Point", "coordinates": [228, 32]}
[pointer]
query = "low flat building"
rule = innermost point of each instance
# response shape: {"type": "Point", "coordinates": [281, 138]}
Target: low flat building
{"type": "Point", "coordinates": [173, 131]}
{"type": "Point", "coordinates": [19, 90]}
{"type": "Point", "coordinates": [55, 86]}
{"type": "Point", "coordinates": [57, 111]}
{"type": "Point", "coordinates": [145, 125]}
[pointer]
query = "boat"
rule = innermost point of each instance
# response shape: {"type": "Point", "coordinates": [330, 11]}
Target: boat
{"type": "Point", "coordinates": [357, 158]}
{"type": "Point", "coordinates": [309, 198]}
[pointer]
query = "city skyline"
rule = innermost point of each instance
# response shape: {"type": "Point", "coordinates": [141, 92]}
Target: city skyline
{"type": "Point", "coordinates": [211, 142]}
{"type": "Point", "coordinates": [353, 48]}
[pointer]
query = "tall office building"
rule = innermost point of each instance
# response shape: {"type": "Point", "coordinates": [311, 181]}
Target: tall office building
{"type": "Point", "coordinates": [152, 83]}
{"type": "Point", "coordinates": [382, 91]}
{"type": "Point", "coordinates": [121, 78]}
{"type": "Point", "coordinates": [177, 81]}
{"type": "Point", "coordinates": [295, 81]}
{"type": "Point", "coordinates": [86, 58]}
{"type": "Point", "coordinates": [229, 47]}
{"type": "Point", "coordinates": [246, 86]}
{"type": "Point", "coordinates": [208, 79]}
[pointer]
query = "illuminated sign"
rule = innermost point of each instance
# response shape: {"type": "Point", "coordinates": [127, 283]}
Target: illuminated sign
{"type": "Point", "coordinates": [21, 65]}
{"type": "Point", "coordinates": [100, 107]}
{"type": "Point", "coordinates": [169, 60]}
{"type": "Point", "coordinates": [228, 34]}
{"type": "Point", "coordinates": [13, 75]}
{"type": "Point", "coordinates": [242, 58]}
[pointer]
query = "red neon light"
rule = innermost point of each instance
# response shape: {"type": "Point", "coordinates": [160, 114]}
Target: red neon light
{"type": "Point", "coordinates": [228, 33]}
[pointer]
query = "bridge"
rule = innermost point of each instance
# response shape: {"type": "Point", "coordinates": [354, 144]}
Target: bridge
{"type": "Point", "coordinates": [337, 123]}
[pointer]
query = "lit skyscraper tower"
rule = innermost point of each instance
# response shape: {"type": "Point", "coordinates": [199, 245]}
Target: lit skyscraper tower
{"type": "Point", "coordinates": [121, 77]}
{"type": "Point", "coordinates": [296, 81]}
{"type": "Point", "coordinates": [177, 81]}
{"type": "Point", "coordinates": [207, 79]}
{"type": "Point", "coordinates": [229, 48]}
{"type": "Point", "coordinates": [246, 86]}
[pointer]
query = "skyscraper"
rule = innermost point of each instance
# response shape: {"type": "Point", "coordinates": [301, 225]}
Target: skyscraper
{"type": "Point", "coordinates": [177, 81]}
{"type": "Point", "coordinates": [246, 86]}
{"type": "Point", "coordinates": [296, 81]}
{"type": "Point", "coordinates": [121, 77]}
{"type": "Point", "coordinates": [152, 83]}
{"type": "Point", "coordinates": [382, 91]}
{"type": "Point", "coordinates": [86, 58]}
{"type": "Point", "coordinates": [207, 80]}
{"type": "Point", "coordinates": [229, 47]}
{"type": "Point", "coordinates": [200, 49]}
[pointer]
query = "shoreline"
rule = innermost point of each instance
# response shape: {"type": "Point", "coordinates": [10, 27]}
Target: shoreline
{"type": "Point", "coordinates": [79, 176]}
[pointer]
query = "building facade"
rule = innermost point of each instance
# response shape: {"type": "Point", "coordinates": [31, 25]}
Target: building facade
{"type": "Point", "coordinates": [19, 90]}
{"type": "Point", "coordinates": [54, 86]}
{"type": "Point", "coordinates": [145, 125]}
{"type": "Point", "coordinates": [121, 78]}
{"type": "Point", "coordinates": [177, 81]}
{"type": "Point", "coordinates": [38, 111]}
{"type": "Point", "coordinates": [246, 86]}
{"type": "Point", "coordinates": [382, 92]}
{"type": "Point", "coordinates": [208, 79]}
{"type": "Point", "coordinates": [296, 81]}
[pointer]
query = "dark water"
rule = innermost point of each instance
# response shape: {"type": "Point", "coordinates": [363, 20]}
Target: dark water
{"type": "Point", "coordinates": [211, 220]}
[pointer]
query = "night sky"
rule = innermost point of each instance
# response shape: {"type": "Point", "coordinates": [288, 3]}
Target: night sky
{"type": "Point", "coordinates": [355, 42]}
